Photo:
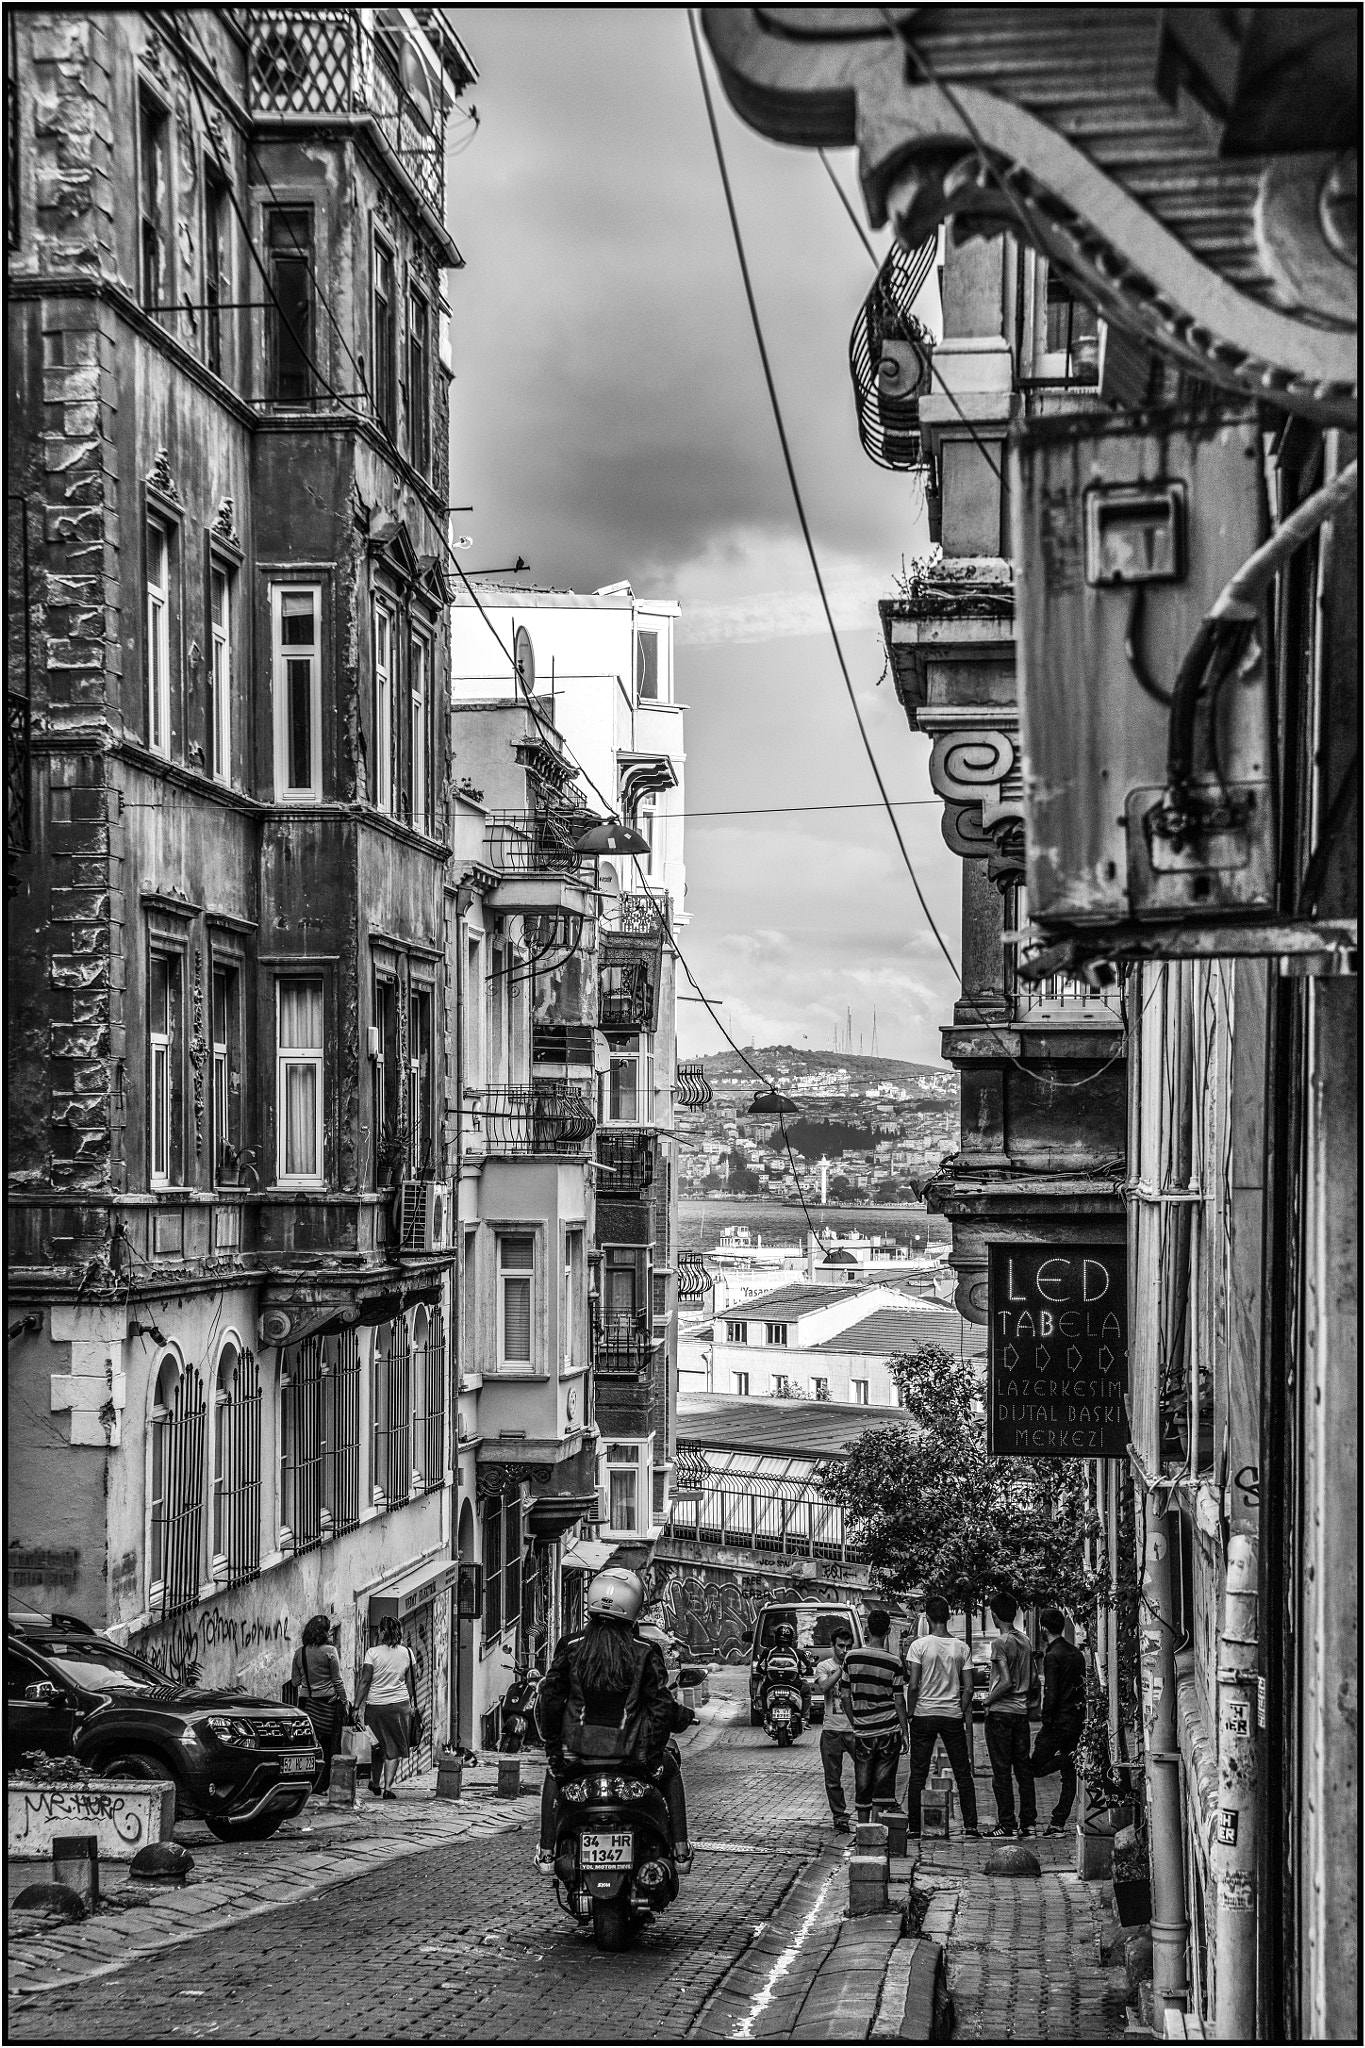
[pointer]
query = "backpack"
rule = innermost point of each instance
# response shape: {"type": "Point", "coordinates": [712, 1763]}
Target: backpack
{"type": "Point", "coordinates": [605, 1742]}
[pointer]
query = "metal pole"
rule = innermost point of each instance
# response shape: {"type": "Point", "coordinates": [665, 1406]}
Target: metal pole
{"type": "Point", "coordinates": [1170, 1923]}
{"type": "Point", "coordinates": [1234, 1845]}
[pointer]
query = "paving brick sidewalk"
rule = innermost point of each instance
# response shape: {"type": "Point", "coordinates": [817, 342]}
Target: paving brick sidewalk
{"type": "Point", "coordinates": [324, 1846]}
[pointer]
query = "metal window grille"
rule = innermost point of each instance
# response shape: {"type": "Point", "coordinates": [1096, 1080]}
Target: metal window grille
{"type": "Point", "coordinates": [625, 1160]}
{"type": "Point", "coordinates": [429, 1381]}
{"type": "Point", "coordinates": [547, 1120]}
{"type": "Point", "coordinates": [693, 1088]}
{"type": "Point", "coordinates": [178, 1505]}
{"type": "Point", "coordinates": [391, 1405]}
{"type": "Point", "coordinates": [301, 1446]}
{"type": "Point", "coordinates": [693, 1278]}
{"type": "Point", "coordinates": [341, 1430]}
{"type": "Point", "coordinates": [237, 1474]}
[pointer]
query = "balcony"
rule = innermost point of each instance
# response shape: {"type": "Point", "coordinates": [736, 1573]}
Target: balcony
{"type": "Point", "coordinates": [629, 966]}
{"type": "Point", "coordinates": [694, 1278]}
{"type": "Point", "coordinates": [331, 60]}
{"type": "Point", "coordinates": [621, 1342]}
{"type": "Point", "coordinates": [625, 1161]}
{"type": "Point", "coordinates": [538, 842]}
{"type": "Point", "coordinates": [693, 1089]}
{"type": "Point", "coordinates": [543, 1121]}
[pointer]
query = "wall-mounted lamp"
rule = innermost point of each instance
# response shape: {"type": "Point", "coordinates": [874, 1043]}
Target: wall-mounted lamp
{"type": "Point", "coordinates": [27, 1326]}
{"type": "Point", "coordinates": [146, 1330]}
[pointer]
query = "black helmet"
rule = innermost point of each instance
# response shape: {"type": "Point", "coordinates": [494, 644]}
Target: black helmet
{"type": "Point", "coordinates": [784, 1634]}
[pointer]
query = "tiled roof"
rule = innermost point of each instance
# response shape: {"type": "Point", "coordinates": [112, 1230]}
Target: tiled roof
{"type": "Point", "coordinates": [788, 1301]}
{"type": "Point", "coordinates": [809, 1429]}
{"type": "Point", "coordinates": [890, 1330]}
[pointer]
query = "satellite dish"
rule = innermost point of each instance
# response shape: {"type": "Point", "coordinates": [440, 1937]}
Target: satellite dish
{"type": "Point", "coordinates": [524, 654]}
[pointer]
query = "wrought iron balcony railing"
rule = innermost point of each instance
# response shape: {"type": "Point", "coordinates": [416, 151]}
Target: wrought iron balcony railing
{"type": "Point", "coordinates": [537, 842]}
{"type": "Point", "coordinates": [693, 1090]}
{"type": "Point", "coordinates": [621, 1341]}
{"type": "Point", "coordinates": [543, 1121]}
{"type": "Point", "coordinates": [625, 1160]}
{"type": "Point", "coordinates": [694, 1278]}
{"type": "Point", "coordinates": [647, 913]}
{"type": "Point", "coordinates": [331, 60]}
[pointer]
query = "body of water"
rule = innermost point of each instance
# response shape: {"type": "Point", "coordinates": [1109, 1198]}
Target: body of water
{"type": "Point", "coordinates": [700, 1223]}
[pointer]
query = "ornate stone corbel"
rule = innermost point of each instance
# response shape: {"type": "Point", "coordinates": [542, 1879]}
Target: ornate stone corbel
{"type": "Point", "coordinates": [224, 525]}
{"type": "Point", "coordinates": [159, 476]}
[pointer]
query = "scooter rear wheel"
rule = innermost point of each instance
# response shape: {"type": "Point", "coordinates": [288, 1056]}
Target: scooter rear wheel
{"type": "Point", "coordinates": [611, 1925]}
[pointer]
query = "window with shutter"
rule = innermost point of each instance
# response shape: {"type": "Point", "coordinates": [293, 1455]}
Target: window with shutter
{"type": "Point", "coordinates": [516, 1278]}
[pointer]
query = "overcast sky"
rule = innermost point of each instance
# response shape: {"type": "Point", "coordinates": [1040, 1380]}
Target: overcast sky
{"type": "Point", "coordinates": [610, 421]}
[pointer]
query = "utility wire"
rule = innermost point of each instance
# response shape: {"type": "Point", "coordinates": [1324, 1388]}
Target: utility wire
{"type": "Point", "coordinates": [796, 489]}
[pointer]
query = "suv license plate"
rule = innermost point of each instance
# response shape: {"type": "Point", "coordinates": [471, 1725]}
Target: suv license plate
{"type": "Point", "coordinates": [612, 1852]}
{"type": "Point", "coordinates": [295, 1766]}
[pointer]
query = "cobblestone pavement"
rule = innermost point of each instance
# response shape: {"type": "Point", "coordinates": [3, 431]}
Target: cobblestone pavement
{"type": "Point", "coordinates": [464, 1940]}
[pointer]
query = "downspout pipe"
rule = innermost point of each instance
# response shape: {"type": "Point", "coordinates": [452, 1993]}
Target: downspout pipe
{"type": "Point", "coordinates": [1237, 1826]}
{"type": "Point", "coordinates": [1170, 1917]}
{"type": "Point", "coordinates": [1230, 619]}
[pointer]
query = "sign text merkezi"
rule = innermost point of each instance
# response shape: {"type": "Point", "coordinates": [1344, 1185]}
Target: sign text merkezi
{"type": "Point", "coordinates": [1058, 1351]}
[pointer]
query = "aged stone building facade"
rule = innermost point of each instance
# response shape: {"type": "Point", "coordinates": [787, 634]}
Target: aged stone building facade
{"type": "Point", "coordinates": [230, 1083]}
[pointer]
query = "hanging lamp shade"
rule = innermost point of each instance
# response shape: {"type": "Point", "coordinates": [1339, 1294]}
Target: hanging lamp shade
{"type": "Point", "coordinates": [611, 836]}
{"type": "Point", "coordinates": [768, 1102]}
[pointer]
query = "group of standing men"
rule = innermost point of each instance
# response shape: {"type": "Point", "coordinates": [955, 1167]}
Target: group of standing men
{"type": "Point", "coordinates": [878, 1704]}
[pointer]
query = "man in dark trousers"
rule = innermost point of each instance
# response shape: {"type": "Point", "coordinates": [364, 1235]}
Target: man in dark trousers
{"type": "Point", "coordinates": [873, 1690]}
{"type": "Point", "coordinates": [938, 1685]}
{"type": "Point", "coordinates": [1007, 1720]}
{"type": "Point", "coordinates": [1063, 1713]}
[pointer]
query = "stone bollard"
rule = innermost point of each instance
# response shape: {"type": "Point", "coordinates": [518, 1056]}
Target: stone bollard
{"type": "Point", "coordinates": [933, 1812]}
{"type": "Point", "coordinates": [895, 1833]}
{"type": "Point", "coordinates": [341, 1783]}
{"type": "Point", "coordinates": [867, 1870]}
{"type": "Point", "coordinates": [943, 1781]}
{"type": "Point", "coordinates": [509, 1777]}
{"type": "Point", "coordinates": [449, 1775]}
{"type": "Point", "coordinates": [76, 1862]}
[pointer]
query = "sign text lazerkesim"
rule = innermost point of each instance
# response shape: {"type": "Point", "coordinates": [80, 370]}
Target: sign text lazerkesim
{"type": "Point", "coordinates": [1058, 1351]}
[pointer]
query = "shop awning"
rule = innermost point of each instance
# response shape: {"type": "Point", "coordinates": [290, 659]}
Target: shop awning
{"type": "Point", "coordinates": [414, 1589]}
{"type": "Point", "coordinates": [587, 1555]}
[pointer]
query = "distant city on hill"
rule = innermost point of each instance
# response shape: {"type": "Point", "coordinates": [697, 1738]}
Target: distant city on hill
{"type": "Point", "coordinates": [863, 1129]}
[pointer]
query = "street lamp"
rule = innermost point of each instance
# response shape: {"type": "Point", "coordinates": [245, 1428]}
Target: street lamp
{"type": "Point", "coordinates": [768, 1102]}
{"type": "Point", "coordinates": [611, 836]}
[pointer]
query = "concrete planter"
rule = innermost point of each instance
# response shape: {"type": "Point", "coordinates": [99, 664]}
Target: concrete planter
{"type": "Point", "coordinates": [123, 1814]}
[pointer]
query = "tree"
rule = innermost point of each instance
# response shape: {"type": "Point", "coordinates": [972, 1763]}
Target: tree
{"type": "Point", "coordinates": [929, 1508]}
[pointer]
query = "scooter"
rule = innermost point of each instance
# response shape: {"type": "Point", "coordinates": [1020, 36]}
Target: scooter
{"type": "Point", "coordinates": [784, 1711]}
{"type": "Point", "coordinates": [518, 1719]}
{"type": "Point", "coordinates": [613, 1854]}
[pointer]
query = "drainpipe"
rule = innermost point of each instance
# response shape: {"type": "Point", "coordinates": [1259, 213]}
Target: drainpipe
{"type": "Point", "coordinates": [1234, 1848]}
{"type": "Point", "coordinates": [1170, 1923]}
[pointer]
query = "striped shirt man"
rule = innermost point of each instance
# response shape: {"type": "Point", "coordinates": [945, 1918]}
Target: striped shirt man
{"type": "Point", "coordinates": [872, 1685]}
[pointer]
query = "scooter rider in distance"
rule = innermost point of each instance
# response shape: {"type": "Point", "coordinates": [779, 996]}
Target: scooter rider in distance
{"type": "Point", "coordinates": [787, 1664]}
{"type": "Point", "coordinates": [608, 1663]}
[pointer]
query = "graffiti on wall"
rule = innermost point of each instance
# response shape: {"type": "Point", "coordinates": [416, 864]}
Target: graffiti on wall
{"type": "Point", "coordinates": [180, 1647]}
{"type": "Point", "coordinates": [716, 1615]}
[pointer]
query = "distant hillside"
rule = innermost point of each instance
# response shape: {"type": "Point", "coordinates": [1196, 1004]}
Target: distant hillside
{"type": "Point", "coordinates": [799, 1062]}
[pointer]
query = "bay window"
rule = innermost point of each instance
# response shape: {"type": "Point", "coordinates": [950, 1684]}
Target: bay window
{"type": "Point", "coordinates": [296, 611]}
{"type": "Point", "coordinates": [628, 1084]}
{"type": "Point", "coordinates": [298, 1085]}
{"type": "Point", "coordinates": [623, 1487]}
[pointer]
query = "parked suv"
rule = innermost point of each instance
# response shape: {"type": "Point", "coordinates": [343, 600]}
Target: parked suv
{"type": "Point", "coordinates": [243, 1764]}
{"type": "Point", "coordinates": [816, 1622]}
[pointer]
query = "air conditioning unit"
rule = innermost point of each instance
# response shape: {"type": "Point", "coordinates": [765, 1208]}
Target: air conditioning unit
{"type": "Point", "coordinates": [602, 1512]}
{"type": "Point", "coordinates": [424, 1216]}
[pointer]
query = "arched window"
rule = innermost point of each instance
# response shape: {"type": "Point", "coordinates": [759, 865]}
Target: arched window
{"type": "Point", "coordinates": [175, 1535]}
{"type": "Point", "coordinates": [391, 1410]}
{"type": "Point", "coordinates": [236, 1467]}
{"type": "Point", "coordinates": [428, 1386]}
{"type": "Point", "coordinates": [319, 1439]}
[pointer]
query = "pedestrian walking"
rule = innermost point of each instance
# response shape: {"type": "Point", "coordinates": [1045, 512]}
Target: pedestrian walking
{"type": "Point", "coordinates": [938, 1695]}
{"type": "Point", "coordinates": [387, 1697]}
{"type": "Point", "coordinates": [1063, 1716]}
{"type": "Point", "coordinates": [836, 1730]}
{"type": "Point", "coordinates": [1007, 1743]}
{"type": "Point", "coordinates": [320, 1689]}
{"type": "Point", "coordinates": [873, 1689]}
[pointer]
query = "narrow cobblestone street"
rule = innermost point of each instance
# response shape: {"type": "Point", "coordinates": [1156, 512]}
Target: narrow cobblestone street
{"type": "Point", "coordinates": [458, 1939]}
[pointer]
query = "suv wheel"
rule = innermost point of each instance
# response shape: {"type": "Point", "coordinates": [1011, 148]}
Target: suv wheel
{"type": "Point", "coordinates": [258, 1830]}
{"type": "Point", "coordinates": [140, 1763]}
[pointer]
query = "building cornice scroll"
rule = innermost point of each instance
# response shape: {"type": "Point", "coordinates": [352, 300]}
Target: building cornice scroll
{"type": "Point", "coordinates": [801, 77]}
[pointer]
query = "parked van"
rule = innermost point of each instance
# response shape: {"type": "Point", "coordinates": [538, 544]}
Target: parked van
{"type": "Point", "coordinates": [816, 1622]}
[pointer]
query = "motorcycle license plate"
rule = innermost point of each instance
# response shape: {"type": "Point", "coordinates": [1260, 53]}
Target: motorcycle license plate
{"type": "Point", "coordinates": [606, 1852]}
{"type": "Point", "coordinates": [782, 1713]}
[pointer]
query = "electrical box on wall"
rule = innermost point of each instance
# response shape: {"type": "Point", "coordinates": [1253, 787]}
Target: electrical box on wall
{"type": "Point", "coordinates": [1124, 535]}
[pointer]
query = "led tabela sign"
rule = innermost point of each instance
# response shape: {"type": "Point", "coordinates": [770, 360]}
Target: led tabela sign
{"type": "Point", "coordinates": [1058, 1351]}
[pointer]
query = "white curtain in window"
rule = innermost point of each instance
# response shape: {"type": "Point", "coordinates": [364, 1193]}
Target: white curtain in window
{"type": "Point", "coordinates": [301, 1016]}
{"type": "Point", "coordinates": [300, 1118]}
{"type": "Point", "coordinates": [622, 1502]}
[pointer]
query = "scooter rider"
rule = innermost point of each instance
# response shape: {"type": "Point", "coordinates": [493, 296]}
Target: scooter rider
{"type": "Point", "coordinates": [608, 1655]}
{"type": "Point", "coordinates": [518, 1710]}
{"type": "Point", "coordinates": [786, 1663]}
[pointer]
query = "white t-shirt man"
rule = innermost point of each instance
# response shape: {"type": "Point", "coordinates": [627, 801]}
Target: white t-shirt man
{"type": "Point", "coordinates": [827, 1678]}
{"type": "Point", "coordinates": [939, 1661]}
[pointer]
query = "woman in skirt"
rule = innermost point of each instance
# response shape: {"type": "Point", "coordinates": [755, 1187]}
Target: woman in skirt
{"type": "Point", "coordinates": [387, 1696]}
{"type": "Point", "coordinates": [321, 1689]}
